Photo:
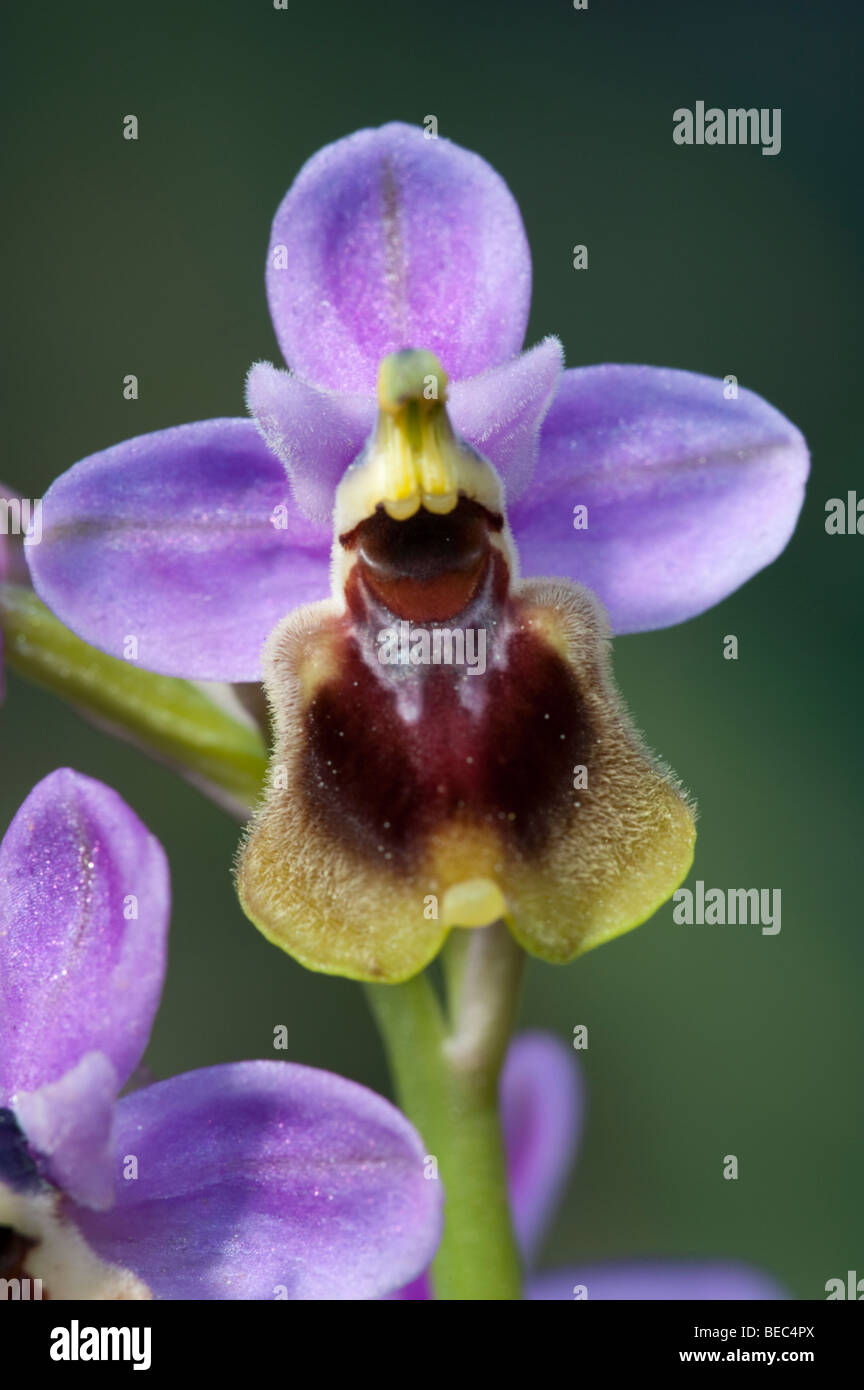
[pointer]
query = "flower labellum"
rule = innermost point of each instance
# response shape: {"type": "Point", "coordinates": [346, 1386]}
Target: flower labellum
{"type": "Point", "coordinates": [450, 746]}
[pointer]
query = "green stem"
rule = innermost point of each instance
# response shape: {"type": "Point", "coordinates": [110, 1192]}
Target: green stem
{"type": "Point", "coordinates": [171, 719]}
{"type": "Point", "coordinates": [446, 1070]}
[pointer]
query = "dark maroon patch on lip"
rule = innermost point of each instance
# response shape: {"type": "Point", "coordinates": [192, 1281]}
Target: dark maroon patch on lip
{"type": "Point", "coordinates": [380, 783]}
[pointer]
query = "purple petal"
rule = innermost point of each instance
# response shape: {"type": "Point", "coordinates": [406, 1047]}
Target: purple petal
{"type": "Point", "coordinates": [418, 1291]}
{"type": "Point", "coordinates": [501, 412]}
{"type": "Point", "coordinates": [68, 1123]}
{"type": "Point", "coordinates": [657, 1280]}
{"type": "Point", "coordinates": [262, 1180]}
{"type": "Point", "coordinates": [388, 240]}
{"type": "Point", "coordinates": [84, 905]}
{"type": "Point", "coordinates": [175, 542]}
{"type": "Point", "coordinates": [316, 434]}
{"type": "Point", "coordinates": [688, 493]}
{"type": "Point", "coordinates": [541, 1104]}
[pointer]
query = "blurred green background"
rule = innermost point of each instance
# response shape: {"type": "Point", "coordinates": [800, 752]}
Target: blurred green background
{"type": "Point", "coordinates": [148, 257]}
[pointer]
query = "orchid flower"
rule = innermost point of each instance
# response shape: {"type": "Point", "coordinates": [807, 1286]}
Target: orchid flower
{"type": "Point", "coordinates": [451, 761]}
{"type": "Point", "coordinates": [254, 1180]}
{"type": "Point", "coordinates": [431, 468]}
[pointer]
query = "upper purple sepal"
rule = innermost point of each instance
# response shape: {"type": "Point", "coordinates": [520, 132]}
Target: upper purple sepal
{"type": "Point", "coordinates": [388, 239]}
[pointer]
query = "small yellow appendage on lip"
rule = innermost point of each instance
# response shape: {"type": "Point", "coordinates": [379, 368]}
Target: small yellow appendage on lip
{"type": "Point", "coordinates": [475, 902]}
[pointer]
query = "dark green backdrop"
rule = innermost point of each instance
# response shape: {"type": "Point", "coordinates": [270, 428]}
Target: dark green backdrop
{"type": "Point", "coordinates": [147, 257]}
